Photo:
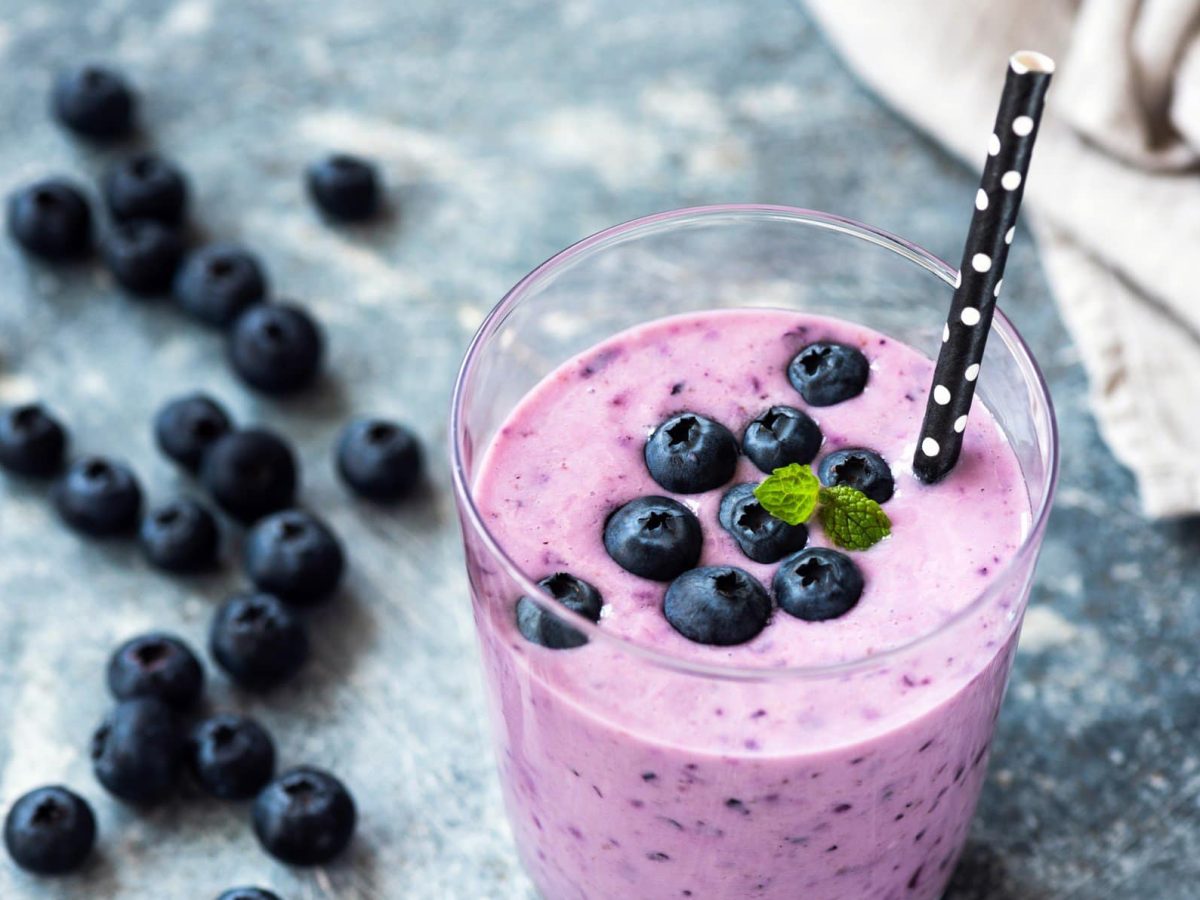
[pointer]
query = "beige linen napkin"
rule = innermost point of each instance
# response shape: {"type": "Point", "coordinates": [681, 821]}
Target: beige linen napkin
{"type": "Point", "coordinates": [1113, 194]}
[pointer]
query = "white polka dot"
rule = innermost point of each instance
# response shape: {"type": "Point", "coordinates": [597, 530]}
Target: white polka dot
{"type": "Point", "coordinates": [1009, 234]}
{"type": "Point", "coordinates": [1010, 180]}
{"type": "Point", "coordinates": [970, 315]}
{"type": "Point", "coordinates": [972, 372]}
{"type": "Point", "coordinates": [1022, 125]}
{"type": "Point", "coordinates": [945, 332]}
{"type": "Point", "coordinates": [981, 200]}
{"type": "Point", "coordinates": [930, 447]}
{"type": "Point", "coordinates": [941, 396]}
{"type": "Point", "coordinates": [981, 262]}
{"type": "Point", "coordinates": [996, 292]}
{"type": "Point", "coordinates": [993, 145]}
{"type": "Point", "coordinates": [960, 424]}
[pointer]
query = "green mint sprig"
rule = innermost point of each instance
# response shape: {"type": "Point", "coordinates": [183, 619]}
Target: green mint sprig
{"type": "Point", "coordinates": [851, 519]}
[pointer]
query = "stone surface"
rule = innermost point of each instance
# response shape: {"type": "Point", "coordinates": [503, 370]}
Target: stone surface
{"type": "Point", "coordinates": [506, 131]}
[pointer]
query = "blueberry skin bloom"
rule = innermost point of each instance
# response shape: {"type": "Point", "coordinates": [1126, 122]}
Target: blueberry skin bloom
{"type": "Point", "coordinates": [187, 426]}
{"type": "Point", "coordinates": [94, 102]}
{"type": "Point", "coordinates": [654, 537]}
{"type": "Point", "coordinates": [146, 186]}
{"type": "Point", "coordinates": [344, 187]}
{"type": "Point", "coordinates": [156, 665]}
{"type": "Point", "coordinates": [258, 641]}
{"type": "Point", "coordinates": [50, 831]}
{"type": "Point", "coordinates": [137, 750]}
{"type": "Point", "coordinates": [826, 373]}
{"type": "Point", "coordinates": [295, 556]}
{"type": "Point", "coordinates": [99, 497]}
{"type": "Point", "coordinates": [717, 605]}
{"type": "Point", "coordinates": [304, 817]}
{"type": "Point", "coordinates": [248, 893]}
{"type": "Point", "coordinates": [32, 441]}
{"type": "Point", "coordinates": [817, 584]}
{"type": "Point", "coordinates": [250, 473]}
{"type": "Point", "coordinates": [379, 460]}
{"type": "Point", "coordinates": [181, 536]}
{"type": "Point", "coordinates": [690, 454]}
{"type": "Point", "coordinates": [232, 757]}
{"type": "Point", "coordinates": [540, 626]}
{"type": "Point", "coordinates": [762, 537]}
{"type": "Point", "coordinates": [143, 256]}
{"type": "Point", "coordinates": [276, 348]}
{"type": "Point", "coordinates": [781, 436]}
{"type": "Point", "coordinates": [859, 468]}
{"type": "Point", "coordinates": [51, 219]}
{"type": "Point", "coordinates": [219, 282]}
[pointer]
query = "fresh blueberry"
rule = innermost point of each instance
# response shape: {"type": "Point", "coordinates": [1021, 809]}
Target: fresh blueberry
{"type": "Point", "coordinates": [143, 255]}
{"type": "Point", "coordinates": [295, 556]}
{"type": "Point", "coordinates": [248, 893]}
{"type": "Point", "coordinates": [817, 584]}
{"type": "Point", "coordinates": [50, 831]}
{"type": "Point", "coordinates": [32, 442]}
{"type": "Point", "coordinates": [217, 283]}
{"type": "Point", "coordinates": [181, 536]}
{"type": "Point", "coordinates": [762, 537]}
{"type": "Point", "coordinates": [717, 605]}
{"type": "Point", "coordinates": [826, 373]}
{"type": "Point", "coordinates": [379, 460]}
{"type": "Point", "coordinates": [146, 186]}
{"type": "Point", "coordinates": [654, 537]}
{"type": "Point", "coordinates": [344, 187]}
{"type": "Point", "coordinates": [781, 436]}
{"type": "Point", "coordinates": [690, 454]}
{"type": "Point", "coordinates": [99, 497]}
{"type": "Point", "coordinates": [863, 469]}
{"type": "Point", "coordinates": [304, 817]}
{"type": "Point", "coordinates": [276, 348]}
{"type": "Point", "coordinates": [187, 426]}
{"type": "Point", "coordinates": [257, 640]}
{"type": "Point", "coordinates": [51, 219]}
{"type": "Point", "coordinates": [93, 101]}
{"type": "Point", "coordinates": [156, 665]}
{"type": "Point", "coordinates": [543, 627]}
{"type": "Point", "coordinates": [250, 473]}
{"type": "Point", "coordinates": [231, 756]}
{"type": "Point", "coordinates": [137, 750]}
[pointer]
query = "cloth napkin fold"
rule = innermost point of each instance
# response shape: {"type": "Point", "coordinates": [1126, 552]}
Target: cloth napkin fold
{"type": "Point", "coordinates": [1113, 194]}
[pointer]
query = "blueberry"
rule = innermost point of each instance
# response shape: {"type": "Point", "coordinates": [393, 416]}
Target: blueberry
{"type": "Point", "coordinates": [817, 584]}
{"type": "Point", "coordinates": [717, 605]}
{"type": "Point", "coordinates": [231, 756]}
{"type": "Point", "coordinates": [250, 473]}
{"type": "Point", "coordinates": [146, 186]}
{"type": "Point", "coordinates": [143, 256]}
{"type": "Point", "coordinates": [276, 348]}
{"type": "Point", "coordinates": [654, 537]}
{"type": "Point", "coordinates": [294, 556]}
{"type": "Point", "coordinates": [248, 893]}
{"type": "Point", "coordinates": [542, 627]}
{"type": "Point", "coordinates": [304, 817]}
{"type": "Point", "coordinates": [93, 101]}
{"type": "Point", "coordinates": [762, 537]}
{"type": "Point", "coordinates": [217, 283]}
{"type": "Point", "coordinates": [50, 831]}
{"type": "Point", "coordinates": [781, 436]}
{"type": "Point", "coordinates": [181, 536]}
{"type": "Point", "coordinates": [32, 442]}
{"type": "Point", "coordinates": [257, 640]}
{"type": "Point", "coordinates": [858, 468]}
{"type": "Point", "coordinates": [187, 426]}
{"type": "Point", "coordinates": [51, 219]}
{"type": "Point", "coordinates": [826, 373]}
{"type": "Point", "coordinates": [156, 665]}
{"type": "Point", "coordinates": [99, 497]}
{"type": "Point", "coordinates": [137, 750]}
{"type": "Point", "coordinates": [690, 454]}
{"type": "Point", "coordinates": [379, 460]}
{"type": "Point", "coordinates": [344, 187]}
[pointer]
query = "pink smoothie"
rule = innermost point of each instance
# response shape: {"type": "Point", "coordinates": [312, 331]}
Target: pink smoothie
{"type": "Point", "coordinates": [627, 778]}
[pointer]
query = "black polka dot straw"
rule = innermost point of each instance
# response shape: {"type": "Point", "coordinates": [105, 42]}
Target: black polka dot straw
{"type": "Point", "coordinates": [981, 272]}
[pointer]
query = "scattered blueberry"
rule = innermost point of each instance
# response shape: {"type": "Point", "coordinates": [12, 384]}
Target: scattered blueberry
{"type": "Point", "coordinates": [93, 101]}
{"type": "Point", "coordinates": [219, 282]}
{"type": "Point", "coordinates": [250, 473]}
{"type": "Point", "coordinates": [781, 436]}
{"type": "Point", "coordinates": [379, 460]}
{"type": "Point", "coordinates": [137, 750]}
{"type": "Point", "coordinates": [295, 556]}
{"type": "Point", "coordinates": [690, 454]}
{"type": "Point", "coordinates": [231, 756]}
{"type": "Point", "coordinates": [32, 442]}
{"type": "Point", "coordinates": [817, 584]}
{"type": "Point", "coordinates": [99, 497]}
{"type": "Point", "coordinates": [654, 537]}
{"type": "Point", "coordinates": [51, 219]}
{"type": "Point", "coordinates": [181, 536]}
{"type": "Point", "coordinates": [156, 665]}
{"type": "Point", "coordinates": [276, 348]}
{"type": "Point", "coordinates": [146, 186]}
{"type": "Point", "coordinates": [543, 627]}
{"type": "Point", "coordinates": [344, 187]}
{"type": "Point", "coordinates": [248, 893]}
{"type": "Point", "coordinates": [50, 831]}
{"type": "Point", "coordinates": [717, 605]}
{"type": "Point", "coordinates": [762, 537]}
{"type": "Point", "coordinates": [257, 640]}
{"type": "Point", "coordinates": [304, 817]}
{"type": "Point", "coordinates": [187, 426]}
{"type": "Point", "coordinates": [863, 469]}
{"type": "Point", "coordinates": [143, 256]}
{"type": "Point", "coordinates": [826, 373]}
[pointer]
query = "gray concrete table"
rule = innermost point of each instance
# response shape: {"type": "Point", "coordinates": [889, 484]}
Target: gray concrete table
{"type": "Point", "coordinates": [506, 131]}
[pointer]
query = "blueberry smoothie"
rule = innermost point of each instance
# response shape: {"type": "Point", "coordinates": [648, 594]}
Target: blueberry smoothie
{"type": "Point", "coordinates": [768, 709]}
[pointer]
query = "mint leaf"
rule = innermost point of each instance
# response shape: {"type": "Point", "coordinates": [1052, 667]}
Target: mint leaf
{"type": "Point", "coordinates": [790, 493]}
{"type": "Point", "coordinates": [851, 519]}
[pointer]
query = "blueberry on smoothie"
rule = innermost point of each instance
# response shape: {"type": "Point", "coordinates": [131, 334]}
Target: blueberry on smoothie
{"type": "Point", "coordinates": [50, 831]}
{"type": "Point", "coordinates": [717, 605]}
{"type": "Point", "coordinates": [654, 537]}
{"type": "Point", "coordinates": [781, 436]}
{"type": "Point", "coordinates": [864, 470]}
{"type": "Point", "coordinates": [32, 441]}
{"type": "Point", "coordinates": [146, 186]}
{"type": "Point", "coordinates": [94, 102]}
{"type": "Point", "coordinates": [51, 219]}
{"type": "Point", "coordinates": [690, 454]}
{"type": "Point", "coordinates": [762, 537]}
{"type": "Point", "coordinates": [826, 373]}
{"type": "Point", "coordinates": [817, 584]}
{"type": "Point", "coordinates": [143, 255]}
{"type": "Point", "coordinates": [543, 627]}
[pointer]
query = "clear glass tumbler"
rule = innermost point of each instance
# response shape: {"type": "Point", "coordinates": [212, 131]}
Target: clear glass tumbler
{"type": "Point", "coordinates": [610, 798]}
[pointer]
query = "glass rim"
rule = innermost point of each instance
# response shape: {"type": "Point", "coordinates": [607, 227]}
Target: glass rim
{"type": "Point", "coordinates": [1014, 343]}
